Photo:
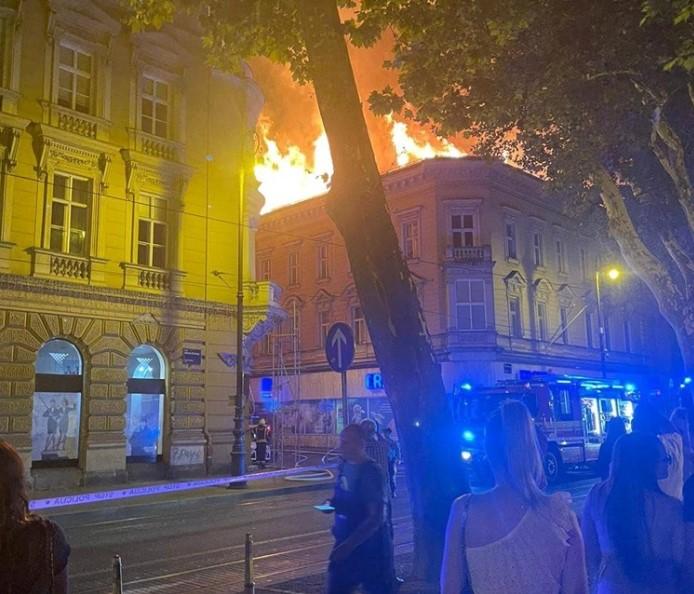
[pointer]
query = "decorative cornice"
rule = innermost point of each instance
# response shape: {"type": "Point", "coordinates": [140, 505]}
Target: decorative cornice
{"type": "Point", "coordinates": [54, 288]}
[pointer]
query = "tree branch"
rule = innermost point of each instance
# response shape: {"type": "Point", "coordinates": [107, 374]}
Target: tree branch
{"type": "Point", "coordinates": [633, 249]}
{"type": "Point", "coordinates": [684, 262]}
{"type": "Point", "coordinates": [672, 159]}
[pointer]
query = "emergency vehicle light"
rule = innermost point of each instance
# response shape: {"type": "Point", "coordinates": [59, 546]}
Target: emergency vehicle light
{"type": "Point", "coordinates": [468, 435]}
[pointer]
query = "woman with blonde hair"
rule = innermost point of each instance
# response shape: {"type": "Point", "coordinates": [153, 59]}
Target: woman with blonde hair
{"type": "Point", "coordinates": [513, 538]}
{"type": "Point", "coordinates": [33, 551]}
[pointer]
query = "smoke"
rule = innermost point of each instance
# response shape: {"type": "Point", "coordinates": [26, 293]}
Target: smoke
{"type": "Point", "coordinates": [291, 115]}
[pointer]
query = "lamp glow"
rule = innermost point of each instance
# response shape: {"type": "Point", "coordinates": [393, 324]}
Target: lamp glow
{"type": "Point", "coordinates": [613, 273]}
{"type": "Point", "coordinates": [468, 435]}
{"type": "Point", "coordinates": [466, 455]}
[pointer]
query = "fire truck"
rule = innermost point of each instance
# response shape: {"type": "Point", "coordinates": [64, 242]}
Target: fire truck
{"type": "Point", "coordinates": [570, 412]}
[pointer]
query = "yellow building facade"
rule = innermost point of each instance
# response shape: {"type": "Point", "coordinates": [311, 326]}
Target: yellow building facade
{"type": "Point", "coordinates": [120, 161]}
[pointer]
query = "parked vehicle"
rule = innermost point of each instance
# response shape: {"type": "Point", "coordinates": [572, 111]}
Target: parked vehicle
{"type": "Point", "coordinates": [570, 412]}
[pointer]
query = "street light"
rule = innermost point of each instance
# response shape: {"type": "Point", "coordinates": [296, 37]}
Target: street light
{"type": "Point", "coordinates": [613, 274]}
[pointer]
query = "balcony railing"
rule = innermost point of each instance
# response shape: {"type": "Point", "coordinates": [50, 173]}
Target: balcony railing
{"type": "Point", "coordinates": [155, 280]}
{"type": "Point", "coordinates": [261, 293]}
{"type": "Point", "coordinates": [477, 254]}
{"type": "Point", "coordinates": [48, 264]}
{"type": "Point", "coordinates": [155, 146]}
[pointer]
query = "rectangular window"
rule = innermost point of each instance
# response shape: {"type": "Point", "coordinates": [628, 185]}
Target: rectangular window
{"type": "Point", "coordinates": [511, 251]}
{"type": "Point", "coordinates": [323, 262]}
{"type": "Point", "coordinates": [265, 269]}
{"type": "Point", "coordinates": [470, 305]}
{"type": "Point", "coordinates": [75, 73]}
{"type": "Point", "coordinates": [516, 318]}
{"type": "Point", "coordinates": [538, 249]}
{"type": "Point", "coordinates": [584, 265]}
{"type": "Point", "coordinates": [589, 330]}
{"type": "Point", "coordinates": [361, 332]}
{"type": "Point", "coordinates": [627, 335]}
{"type": "Point", "coordinates": [606, 329]}
{"type": "Point", "coordinates": [463, 230]}
{"type": "Point", "coordinates": [267, 344]}
{"type": "Point", "coordinates": [561, 256]}
{"type": "Point", "coordinates": [410, 239]}
{"type": "Point", "coordinates": [70, 206]}
{"type": "Point", "coordinates": [541, 321]}
{"type": "Point", "coordinates": [5, 41]}
{"type": "Point", "coordinates": [151, 232]}
{"type": "Point", "coordinates": [155, 106]}
{"type": "Point", "coordinates": [564, 317]}
{"type": "Point", "coordinates": [293, 269]}
{"type": "Point", "coordinates": [323, 326]}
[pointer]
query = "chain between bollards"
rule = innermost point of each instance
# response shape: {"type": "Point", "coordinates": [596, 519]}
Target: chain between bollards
{"type": "Point", "coordinates": [249, 585]}
{"type": "Point", "coordinates": [117, 575]}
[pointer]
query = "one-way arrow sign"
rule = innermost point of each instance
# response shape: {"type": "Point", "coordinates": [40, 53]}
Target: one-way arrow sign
{"type": "Point", "coordinates": [339, 347]}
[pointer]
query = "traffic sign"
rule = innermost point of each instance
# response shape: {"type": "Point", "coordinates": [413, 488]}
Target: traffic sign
{"type": "Point", "coordinates": [339, 347]}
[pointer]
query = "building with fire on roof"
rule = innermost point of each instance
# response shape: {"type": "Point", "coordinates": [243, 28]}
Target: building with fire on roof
{"type": "Point", "coordinates": [505, 280]}
{"type": "Point", "coordinates": [120, 159]}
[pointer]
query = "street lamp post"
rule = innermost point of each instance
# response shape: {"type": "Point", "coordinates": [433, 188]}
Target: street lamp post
{"type": "Point", "coordinates": [238, 448]}
{"type": "Point", "coordinates": [613, 274]}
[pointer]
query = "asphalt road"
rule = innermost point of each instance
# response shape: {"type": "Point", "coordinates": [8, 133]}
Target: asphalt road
{"type": "Point", "coordinates": [196, 543]}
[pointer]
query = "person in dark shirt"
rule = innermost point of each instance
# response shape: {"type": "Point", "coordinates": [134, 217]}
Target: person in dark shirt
{"type": "Point", "coordinates": [615, 429]}
{"type": "Point", "coordinates": [363, 551]}
{"type": "Point", "coordinates": [33, 552]}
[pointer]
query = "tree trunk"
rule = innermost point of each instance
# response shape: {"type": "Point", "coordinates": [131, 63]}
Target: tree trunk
{"type": "Point", "coordinates": [357, 205]}
{"type": "Point", "coordinates": [673, 297]}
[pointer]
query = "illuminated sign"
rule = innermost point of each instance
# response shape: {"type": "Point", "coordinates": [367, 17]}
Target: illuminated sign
{"type": "Point", "coordinates": [373, 381]}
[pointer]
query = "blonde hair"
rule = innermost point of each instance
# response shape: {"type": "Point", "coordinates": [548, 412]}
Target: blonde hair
{"type": "Point", "coordinates": [513, 451]}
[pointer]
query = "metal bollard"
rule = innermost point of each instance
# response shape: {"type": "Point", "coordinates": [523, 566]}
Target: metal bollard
{"type": "Point", "coordinates": [117, 575]}
{"type": "Point", "coordinates": [249, 585]}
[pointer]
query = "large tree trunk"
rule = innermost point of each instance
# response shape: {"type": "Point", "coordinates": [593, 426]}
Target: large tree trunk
{"type": "Point", "coordinates": [357, 205]}
{"type": "Point", "coordinates": [673, 295]}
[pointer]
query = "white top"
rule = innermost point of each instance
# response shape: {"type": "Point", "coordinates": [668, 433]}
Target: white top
{"type": "Point", "coordinates": [674, 483]}
{"type": "Point", "coordinates": [542, 554]}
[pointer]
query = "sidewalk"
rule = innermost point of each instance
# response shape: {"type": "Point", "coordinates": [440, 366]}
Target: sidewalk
{"type": "Point", "coordinates": [133, 493]}
{"type": "Point", "coordinates": [315, 584]}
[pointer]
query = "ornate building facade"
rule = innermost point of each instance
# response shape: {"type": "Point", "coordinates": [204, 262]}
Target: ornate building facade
{"type": "Point", "coordinates": [505, 279]}
{"type": "Point", "coordinates": [120, 162]}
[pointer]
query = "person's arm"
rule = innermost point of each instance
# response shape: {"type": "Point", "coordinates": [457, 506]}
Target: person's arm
{"type": "Point", "coordinates": [363, 532]}
{"type": "Point", "coordinates": [452, 571]}
{"type": "Point", "coordinates": [593, 555]}
{"type": "Point", "coordinates": [574, 579]}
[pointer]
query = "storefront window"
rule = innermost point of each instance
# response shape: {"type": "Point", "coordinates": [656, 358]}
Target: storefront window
{"type": "Point", "coordinates": [57, 404]}
{"type": "Point", "coordinates": [144, 417]}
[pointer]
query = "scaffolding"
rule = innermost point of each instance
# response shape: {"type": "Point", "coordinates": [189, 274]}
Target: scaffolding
{"type": "Point", "coordinates": [286, 391]}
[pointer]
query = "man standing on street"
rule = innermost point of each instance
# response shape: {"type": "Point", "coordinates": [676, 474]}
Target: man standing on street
{"type": "Point", "coordinates": [363, 551]}
{"type": "Point", "coordinates": [393, 459]}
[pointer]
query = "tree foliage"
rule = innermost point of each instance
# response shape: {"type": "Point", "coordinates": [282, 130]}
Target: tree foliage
{"type": "Point", "coordinates": [574, 90]}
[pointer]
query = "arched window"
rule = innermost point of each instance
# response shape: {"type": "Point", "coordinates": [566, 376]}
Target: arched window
{"type": "Point", "coordinates": [144, 417]}
{"type": "Point", "coordinates": [57, 404]}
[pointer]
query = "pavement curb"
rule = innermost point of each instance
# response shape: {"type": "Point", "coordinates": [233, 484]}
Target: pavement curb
{"type": "Point", "coordinates": [239, 494]}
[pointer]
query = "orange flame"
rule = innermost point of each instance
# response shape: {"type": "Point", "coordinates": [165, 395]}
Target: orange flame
{"type": "Point", "coordinates": [287, 177]}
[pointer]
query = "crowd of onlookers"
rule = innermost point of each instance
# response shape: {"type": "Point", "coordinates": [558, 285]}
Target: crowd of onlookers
{"type": "Point", "coordinates": [636, 534]}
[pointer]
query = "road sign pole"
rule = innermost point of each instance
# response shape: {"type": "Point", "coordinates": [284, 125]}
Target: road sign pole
{"type": "Point", "coordinates": [345, 412]}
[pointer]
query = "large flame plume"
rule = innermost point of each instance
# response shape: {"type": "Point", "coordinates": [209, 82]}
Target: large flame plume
{"type": "Point", "coordinates": [289, 176]}
{"type": "Point", "coordinates": [294, 158]}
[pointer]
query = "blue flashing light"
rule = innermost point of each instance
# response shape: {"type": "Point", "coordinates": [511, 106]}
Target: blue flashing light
{"type": "Point", "coordinates": [466, 386]}
{"type": "Point", "coordinates": [630, 387]}
{"type": "Point", "coordinates": [417, 424]}
{"type": "Point", "coordinates": [468, 436]}
{"type": "Point", "coordinates": [563, 381]}
{"type": "Point", "coordinates": [466, 455]}
{"type": "Point", "coordinates": [687, 381]}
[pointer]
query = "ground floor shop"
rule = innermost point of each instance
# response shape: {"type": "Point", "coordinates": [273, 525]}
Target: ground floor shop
{"type": "Point", "coordinates": [104, 385]}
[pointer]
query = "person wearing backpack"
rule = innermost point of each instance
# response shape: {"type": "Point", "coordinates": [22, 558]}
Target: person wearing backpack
{"type": "Point", "coordinates": [363, 551]}
{"type": "Point", "coordinates": [33, 551]}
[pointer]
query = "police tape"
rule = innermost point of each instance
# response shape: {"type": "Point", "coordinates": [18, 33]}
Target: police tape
{"type": "Point", "coordinates": [159, 489]}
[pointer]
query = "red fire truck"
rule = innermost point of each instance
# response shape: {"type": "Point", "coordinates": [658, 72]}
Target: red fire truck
{"type": "Point", "coordinates": [570, 413]}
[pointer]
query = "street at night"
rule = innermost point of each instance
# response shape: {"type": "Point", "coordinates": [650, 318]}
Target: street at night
{"type": "Point", "coordinates": [196, 542]}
